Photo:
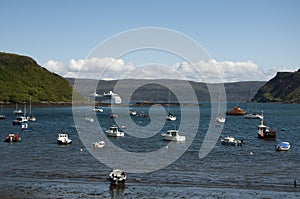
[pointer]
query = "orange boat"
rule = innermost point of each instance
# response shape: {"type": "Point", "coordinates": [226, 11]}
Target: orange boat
{"type": "Point", "coordinates": [236, 111]}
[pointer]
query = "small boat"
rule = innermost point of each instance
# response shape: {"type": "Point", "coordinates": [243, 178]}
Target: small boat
{"type": "Point", "coordinates": [231, 141]}
{"type": "Point", "coordinates": [143, 114]}
{"type": "Point", "coordinates": [117, 176]}
{"type": "Point", "coordinates": [283, 146]}
{"type": "Point", "coordinates": [25, 126]}
{"type": "Point", "coordinates": [99, 144]}
{"type": "Point", "coordinates": [97, 109]}
{"type": "Point", "coordinates": [114, 132]}
{"type": "Point", "coordinates": [89, 119]}
{"type": "Point", "coordinates": [132, 113]}
{"type": "Point", "coordinates": [254, 116]}
{"type": "Point", "coordinates": [264, 132]}
{"type": "Point", "coordinates": [2, 116]}
{"type": "Point", "coordinates": [283, 129]}
{"type": "Point", "coordinates": [113, 115]}
{"type": "Point", "coordinates": [31, 117]}
{"type": "Point", "coordinates": [171, 117]}
{"type": "Point", "coordinates": [220, 119]}
{"type": "Point", "coordinates": [12, 137]}
{"type": "Point", "coordinates": [173, 135]}
{"type": "Point", "coordinates": [18, 111]}
{"type": "Point", "coordinates": [236, 111]}
{"type": "Point", "coordinates": [19, 120]}
{"type": "Point", "coordinates": [63, 138]}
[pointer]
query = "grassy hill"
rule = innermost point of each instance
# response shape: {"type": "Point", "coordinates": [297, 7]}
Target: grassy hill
{"type": "Point", "coordinates": [283, 88]}
{"type": "Point", "coordinates": [21, 78]}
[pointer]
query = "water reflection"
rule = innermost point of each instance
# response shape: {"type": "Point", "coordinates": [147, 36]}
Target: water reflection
{"type": "Point", "coordinates": [117, 191]}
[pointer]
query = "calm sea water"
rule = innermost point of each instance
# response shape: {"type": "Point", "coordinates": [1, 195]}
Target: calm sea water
{"type": "Point", "coordinates": [39, 168]}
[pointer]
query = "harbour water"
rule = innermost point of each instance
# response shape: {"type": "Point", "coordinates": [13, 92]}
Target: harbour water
{"type": "Point", "coordinates": [37, 167]}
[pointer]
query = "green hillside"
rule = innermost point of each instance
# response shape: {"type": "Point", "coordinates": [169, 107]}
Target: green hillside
{"type": "Point", "coordinates": [283, 88]}
{"type": "Point", "coordinates": [21, 78]}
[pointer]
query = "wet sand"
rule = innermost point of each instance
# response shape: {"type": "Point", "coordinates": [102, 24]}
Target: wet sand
{"type": "Point", "coordinates": [77, 189]}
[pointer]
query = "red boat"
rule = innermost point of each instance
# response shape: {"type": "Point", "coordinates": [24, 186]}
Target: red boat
{"type": "Point", "coordinates": [264, 132]}
{"type": "Point", "coordinates": [11, 137]}
{"type": "Point", "coordinates": [236, 111]}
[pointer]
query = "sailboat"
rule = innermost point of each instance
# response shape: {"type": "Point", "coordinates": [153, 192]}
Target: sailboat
{"type": "Point", "coordinates": [30, 116]}
{"type": "Point", "coordinates": [170, 117]}
{"type": "Point", "coordinates": [2, 116]}
{"type": "Point", "coordinates": [18, 111]}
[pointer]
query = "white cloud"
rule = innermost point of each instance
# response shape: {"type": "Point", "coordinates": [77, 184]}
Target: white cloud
{"type": "Point", "coordinates": [202, 71]}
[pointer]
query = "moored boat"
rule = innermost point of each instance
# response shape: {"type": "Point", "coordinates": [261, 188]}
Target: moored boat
{"type": "Point", "coordinates": [19, 120]}
{"type": "Point", "coordinates": [264, 132]}
{"type": "Point", "coordinates": [254, 116]}
{"type": "Point", "coordinates": [236, 111]}
{"type": "Point", "coordinates": [113, 131]}
{"type": "Point", "coordinates": [99, 144]}
{"type": "Point", "coordinates": [117, 176]}
{"type": "Point", "coordinates": [231, 141]}
{"type": "Point", "coordinates": [282, 146]}
{"type": "Point", "coordinates": [173, 135]}
{"type": "Point", "coordinates": [63, 139]}
{"type": "Point", "coordinates": [171, 117]}
{"type": "Point", "coordinates": [220, 119]}
{"type": "Point", "coordinates": [25, 126]}
{"type": "Point", "coordinates": [12, 137]}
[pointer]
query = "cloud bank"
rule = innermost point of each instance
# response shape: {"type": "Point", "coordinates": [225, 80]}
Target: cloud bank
{"type": "Point", "coordinates": [108, 68]}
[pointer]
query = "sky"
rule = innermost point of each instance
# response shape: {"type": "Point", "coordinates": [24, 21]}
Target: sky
{"type": "Point", "coordinates": [245, 40]}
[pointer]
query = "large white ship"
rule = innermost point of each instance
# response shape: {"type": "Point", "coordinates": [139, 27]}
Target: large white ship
{"type": "Point", "coordinates": [108, 98]}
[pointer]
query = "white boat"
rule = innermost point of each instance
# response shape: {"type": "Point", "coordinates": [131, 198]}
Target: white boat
{"type": "Point", "coordinates": [31, 117]}
{"type": "Point", "coordinates": [99, 144]}
{"type": "Point", "coordinates": [132, 112]}
{"type": "Point", "coordinates": [171, 117]}
{"type": "Point", "coordinates": [2, 116]}
{"type": "Point", "coordinates": [63, 138]}
{"type": "Point", "coordinates": [18, 111]}
{"type": "Point", "coordinates": [89, 119]}
{"type": "Point", "coordinates": [25, 126]}
{"type": "Point", "coordinates": [220, 119]}
{"type": "Point", "coordinates": [231, 141]}
{"type": "Point", "coordinates": [114, 132]}
{"type": "Point", "coordinates": [254, 116]}
{"type": "Point", "coordinates": [283, 146]}
{"type": "Point", "coordinates": [117, 176]}
{"type": "Point", "coordinates": [173, 135]}
{"type": "Point", "coordinates": [97, 109]}
{"type": "Point", "coordinates": [19, 120]}
{"type": "Point", "coordinates": [264, 132]}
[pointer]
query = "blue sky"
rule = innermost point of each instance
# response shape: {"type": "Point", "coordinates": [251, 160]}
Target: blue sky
{"type": "Point", "coordinates": [264, 32]}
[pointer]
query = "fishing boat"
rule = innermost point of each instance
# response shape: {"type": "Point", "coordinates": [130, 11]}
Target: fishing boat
{"type": "Point", "coordinates": [25, 127]}
{"type": "Point", "coordinates": [12, 137]}
{"type": "Point", "coordinates": [113, 131]}
{"type": "Point", "coordinates": [63, 139]}
{"type": "Point", "coordinates": [117, 176]}
{"type": "Point", "coordinates": [264, 132]}
{"type": "Point", "coordinates": [173, 135]}
{"type": "Point", "coordinates": [99, 144]}
{"type": "Point", "coordinates": [236, 111]}
{"type": "Point", "coordinates": [282, 146]}
{"type": "Point", "coordinates": [231, 141]}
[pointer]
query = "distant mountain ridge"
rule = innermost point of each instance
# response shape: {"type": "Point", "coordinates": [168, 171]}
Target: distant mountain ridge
{"type": "Point", "coordinates": [21, 79]}
{"type": "Point", "coordinates": [235, 92]}
{"type": "Point", "coordinates": [283, 88]}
